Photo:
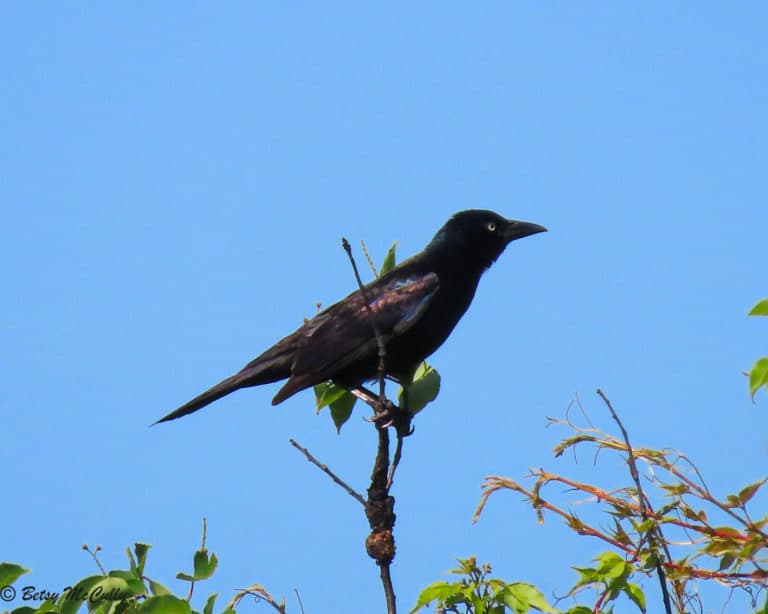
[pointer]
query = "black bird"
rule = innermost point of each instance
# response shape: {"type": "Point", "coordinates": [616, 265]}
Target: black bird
{"type": "Point", "coordinates": [415, 306]}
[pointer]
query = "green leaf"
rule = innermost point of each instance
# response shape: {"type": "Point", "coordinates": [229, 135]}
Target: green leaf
{"type": "Point", "coordinates": [587, 575]}
{"type": "Point", "coordinates": [158, 589]}
{"type": "Point", "coordinates": [611, 565]}
{"type": "Point", "coordinates": [527, 596]}
{"type": "Point", "coordinates": [204, 567]}
{"type": "Point", "coordinates": [466, 566]}
{"type": "Point", "coordinates": [746, 493]}
{"type": "Point", "coordinates": [141, 556]}
{"type": "Point", "coordinates": [423, 389]}
{"type": "Point", "coordinates": [72, 599]}
{"type": "Point", "coordinates": [326, 393]}
{"type": "Point", "coordinates": [758, 376]}
{"type": "Point", "coordinates": [131, 559]}
{"type": "Point", "coordinates": [10, 572]}
{"type": "Point", "coordinates": [389, 260]}
{"type": "Point", "coordinates": [726, 561]}
{"type": "Point", "coordinates": [341, 409]}
{"type": "Point", "coordinates": [636, 594]}
{"type": "Point", "coordinates": [340, 401]}
{"type": "Point", "coordinates": [439, 591]}
{"type": "Point", "coordinates": [676, 489]}
{"type": "Point", "coordinates": [208, 609]}
{"type": "Point", "coordinates": [43, 608]}
{"type": "Point", "coordinates": [165, 604]}
{"type": "Point", "coordinates": [761, 309]}
{"type": "Point", "coordinates": [134, 583]}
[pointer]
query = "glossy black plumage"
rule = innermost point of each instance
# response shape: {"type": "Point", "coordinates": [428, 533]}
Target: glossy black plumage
{"type": "Point", "coordinates": [415, 307]}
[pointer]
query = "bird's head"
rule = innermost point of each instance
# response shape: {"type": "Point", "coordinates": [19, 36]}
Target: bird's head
{"type": "Point", "coordinates": [479, 237]}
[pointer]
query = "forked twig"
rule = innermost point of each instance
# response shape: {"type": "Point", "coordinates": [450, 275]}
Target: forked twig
{"type": "Point", "coordinates": [325, 469]}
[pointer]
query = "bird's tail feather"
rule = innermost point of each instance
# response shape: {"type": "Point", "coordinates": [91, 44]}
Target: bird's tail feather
{"type": "Point", "coordinates": [271, 366]}
{"type": "Point", "coordinates": [221, 389]}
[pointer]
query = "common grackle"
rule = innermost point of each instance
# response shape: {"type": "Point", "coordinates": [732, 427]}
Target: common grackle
{"type": "Point", "coordinates": [415, 306]}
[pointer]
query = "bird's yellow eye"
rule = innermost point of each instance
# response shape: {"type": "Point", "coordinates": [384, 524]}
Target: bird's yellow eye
{"type": "Point", "coordinates": [491, 226]}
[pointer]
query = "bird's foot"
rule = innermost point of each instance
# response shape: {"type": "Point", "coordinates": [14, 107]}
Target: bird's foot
{"type": "Point", "coordinates": [385, 412]}
{"type": "Point", "coordinates": [388, 414]}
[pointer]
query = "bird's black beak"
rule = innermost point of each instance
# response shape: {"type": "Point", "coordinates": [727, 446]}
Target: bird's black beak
{"type": "Point", "coordinates": [517, 230]}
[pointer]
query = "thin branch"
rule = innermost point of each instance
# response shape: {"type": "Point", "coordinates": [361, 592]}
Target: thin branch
{"type": "Point", "coordinates": [389, 592]}
{"type": "Point", "coordinates": [632, 508]}
{"type": "Point", "coordinates": [261, 594]}
{"type": "Point", "coordinates": [364, 293]}
{"type": "Point", "coordinates": [704, 493]}
{"type": "Point", "coordinates": [395, 460]}
{"type": "Point", "coordinates": [658, 538]}
{"type": "Point", "coordinates": [95, 557]}
{"type": "Point", "coordinates": [381, 518]}
{"type": "Point", "coordinates": [379, 508]}
{"type": "Point", "coordinates": [324, 468]}
{"type": "Point", "coordinates": [364, 247]}
{"type": "Point", "coordinates": [401, 434]}
{"type": "Point", "coordinates": [492, 484]}
{"type": "Point", "coordinates": [298, 598]}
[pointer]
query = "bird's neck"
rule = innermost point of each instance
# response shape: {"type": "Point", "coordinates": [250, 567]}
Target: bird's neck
{"type": "Point", "coordinates": [454, 263]}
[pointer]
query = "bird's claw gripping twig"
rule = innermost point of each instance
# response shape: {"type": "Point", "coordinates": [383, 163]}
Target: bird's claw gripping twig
{"type": "Point", "coordinates": [387, 414]}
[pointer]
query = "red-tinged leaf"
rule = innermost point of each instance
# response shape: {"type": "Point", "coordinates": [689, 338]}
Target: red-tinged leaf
{"type": "Point", "coordinates": [746, 493]}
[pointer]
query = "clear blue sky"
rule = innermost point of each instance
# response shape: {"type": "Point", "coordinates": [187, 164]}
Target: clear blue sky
{"type": "Point", "coordinates": [175, 181]}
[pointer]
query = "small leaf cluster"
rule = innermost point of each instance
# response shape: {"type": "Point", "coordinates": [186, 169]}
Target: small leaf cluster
{"type": "Point", "coordinates": [124, 591]}
{"type": "Point", "coordinates": [476, 593]}
{"type": "Point", "coordinates": [758, 375]}
{"type": "Point", "coordinates": [420, 389]}
{"type": "Point", "coordinates": [611, 577]}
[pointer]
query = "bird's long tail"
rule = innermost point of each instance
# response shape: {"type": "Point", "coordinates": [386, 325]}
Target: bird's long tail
{"type": "Point", "coordinates": [223, 388]}
{"type": "Point", "coordinates": [272, 366]}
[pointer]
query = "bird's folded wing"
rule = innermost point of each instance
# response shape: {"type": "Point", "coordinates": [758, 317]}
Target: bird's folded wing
{"type": "Point", "coordinates": [347, 334]}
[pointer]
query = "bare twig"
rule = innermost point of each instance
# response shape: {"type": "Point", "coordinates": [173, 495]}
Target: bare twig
{"type": "Point", "coordinates": [655, 535]}
{"type": "Point", "coordinates": [395, 460]}
{"type": "Point", "coordinates": [389, 593]}
{"type": "Point", "coordinates": [492, 484]}
{"type": "Point", "coordinates": [298, 598]}
{"type": "Point", "coordinates": [364, 293]}
{"type": "Point", "coordinates": [93, 554]}
{"type": "Point", "coordinates": [261, 594]}
{"type": "Point", "coordinates": [400, 435]}
{"type": "Point", "coordinates": [202, 547]}
{"type": "Point", "coordinates": [371, 264]}
{"type": "Point", "coordinates": [324, 468]}
{"type": "Point", "coordinates": [379, 508]}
